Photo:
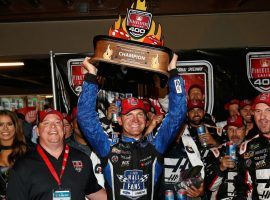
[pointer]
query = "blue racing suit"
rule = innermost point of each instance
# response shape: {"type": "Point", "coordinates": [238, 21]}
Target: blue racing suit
{"type": "Point", "coordinates": [132, 168]}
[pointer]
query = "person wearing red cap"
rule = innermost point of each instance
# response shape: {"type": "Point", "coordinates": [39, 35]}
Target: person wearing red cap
{"type": "Point", "coordinates": [246, 113]}
{"type": "Point", "coordinates": [78, 141]}
{"type": "Point", "coordinates": [196, 92]}
{"type": "Point", "coordinates": [53, 169]}
{"type": "Point", "coordinates": [195, 116]}
{"type": "Point", "coordinates": [255, 154]}
{"type": "Point", "coordinates": [221, 180]}
{"type": "Point", "coordinates": [187, 152]}
{"type": "Point", "coordinates": [28, 116]}
{"type": "Point", "coordinates": [132, 164]}
{"type": "Point", "coordinates": [67, 125]}
{"type": "Point", "coordinates": [232, 107]}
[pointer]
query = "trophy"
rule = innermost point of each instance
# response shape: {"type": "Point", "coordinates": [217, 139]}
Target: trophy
{"type": "Point", "coordinates": [133, 42]}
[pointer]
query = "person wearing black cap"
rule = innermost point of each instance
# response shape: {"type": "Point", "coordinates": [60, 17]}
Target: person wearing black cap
{"type": "Point", "coordinates": [53, 170]}
{"type": "Point", "coordinates": [255, 155]}
{"type": "Point", "coordinates": [132, 164]}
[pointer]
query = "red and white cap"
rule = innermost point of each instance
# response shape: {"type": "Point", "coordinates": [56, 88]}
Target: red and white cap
{"type": "Point", "coordinates": [245, 102]}
{"type": "Point", "coordinates": [262, 98]}
{"type": "Point", "coordinates": [25, 110]}
{"type": "Point", "coordinates": [235, 120]}
{"type": "Point", "coordinates": [195, 104]}
{"type": "Point", "coordinates": [74, 113]}
{"type": "Point", "coordinates": [130, 104]}
{"type": "Point", "coordinates": [67, 117]}
{"type": "Point", "coordinates": [42, 114]}
{"type": "Point", "coordinates": [233, 101]}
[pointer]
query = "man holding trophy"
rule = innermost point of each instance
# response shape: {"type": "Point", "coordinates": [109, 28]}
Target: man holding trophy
{"type": "Point", "coordinates": [132, 167]}
{"type": "Point", "coordinates": [132, 164]}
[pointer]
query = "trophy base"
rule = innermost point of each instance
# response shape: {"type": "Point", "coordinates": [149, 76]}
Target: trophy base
{"type": "Point", "coordinates": [132, 54]}
{"type": "Point", "coordinates": [124, 78]}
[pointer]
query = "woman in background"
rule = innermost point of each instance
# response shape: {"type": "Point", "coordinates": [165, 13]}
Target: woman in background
{"type": "Point", "coordinates": [12, 146]}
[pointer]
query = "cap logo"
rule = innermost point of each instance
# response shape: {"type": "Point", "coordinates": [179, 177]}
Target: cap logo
{"type": "Point", "coordinates": [233, 119]}
{"type": "Point", "coordinates": [246, 101]}
{"type": "Point", "coordinates": [78, 165]}
{"type": "Point", "coordinates": [133, 102]}
{"type": "Point", "coordinates": [48, 110]}
{"type": "Point", "coordinates": [264, 96]}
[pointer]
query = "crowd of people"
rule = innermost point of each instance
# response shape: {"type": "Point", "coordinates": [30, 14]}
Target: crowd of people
{"type": "Point", "coordinates": [140, 151]}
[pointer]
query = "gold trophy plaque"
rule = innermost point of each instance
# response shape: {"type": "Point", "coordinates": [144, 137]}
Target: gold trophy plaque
{"type": "Point", "coordinates": [134, 42]}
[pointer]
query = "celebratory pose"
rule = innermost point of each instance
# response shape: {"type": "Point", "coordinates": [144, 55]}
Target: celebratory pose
{"type": "Point", "coordinates": [53, 170]}
{"type": "Point", "coordinates": [132, 165]}
{"type": "Point", "coordinates": [255, 154]}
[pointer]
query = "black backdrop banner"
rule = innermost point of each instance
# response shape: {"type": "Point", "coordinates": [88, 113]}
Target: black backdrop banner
{"type": "Point", "coordinates": [224, 73]}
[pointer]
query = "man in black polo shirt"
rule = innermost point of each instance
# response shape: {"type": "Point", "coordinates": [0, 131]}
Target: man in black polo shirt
{"type": "Point", "coordinates": [53, 171]}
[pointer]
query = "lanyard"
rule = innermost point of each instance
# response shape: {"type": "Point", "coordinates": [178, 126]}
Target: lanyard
{"type": "Point", "coordinates": [50, 166]}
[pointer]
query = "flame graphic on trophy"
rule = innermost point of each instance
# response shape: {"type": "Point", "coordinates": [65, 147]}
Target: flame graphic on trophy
{"type": "Point", "coordinates": [134, 41]}
{"type": "Point", "coordinates": [108, 53]}
{"type": "Point", "coordinates": [141, 27]}
{"type": "Point", "coordinates": [155, 63]}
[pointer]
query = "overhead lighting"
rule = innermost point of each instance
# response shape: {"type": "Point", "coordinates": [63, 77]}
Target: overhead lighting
{"type": "Point", "coordinates": [11, 64]}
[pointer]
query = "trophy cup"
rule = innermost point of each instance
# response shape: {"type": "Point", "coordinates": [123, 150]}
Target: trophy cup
{"type": "Point", "coordinates": [133, 42]}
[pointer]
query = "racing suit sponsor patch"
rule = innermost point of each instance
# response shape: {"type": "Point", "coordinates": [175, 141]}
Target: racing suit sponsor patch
{"type": "Point", "coordinates": [125, 163]}
{"type": "Point", "coordinates": [98, 169]}
{"type": "Point", "coordinates": [177, 85]}
{"type": "Point", "coordinates": [189, 149]}
{"type": "Point", "coordinates": [133, 183]}
{"type": "Point", "coordinates": [114, 159]}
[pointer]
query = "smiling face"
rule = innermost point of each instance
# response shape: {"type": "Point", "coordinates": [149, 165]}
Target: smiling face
{"type": "Point", "coordinates": [7, 130]}
{"type": "Point", "coordinates": [246, 113]}
{"type": "Point", "coordinates": [133, 123]}
{"type": "Point", "coordinates": [195, 116]}
{"type": "Point", "coordinates": [196, 94]}
{"type": "Point", "coordinates": [51, 131]}
{"type": "Point", "coordinates": [67, 128]}
{"type": "Point", "coordinates": [234, 110]}
{"type": "Point", "coordinates": [262, 117]}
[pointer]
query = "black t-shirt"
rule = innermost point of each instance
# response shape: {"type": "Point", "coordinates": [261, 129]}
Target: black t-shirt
{"type": "Point", "coordinates": [31, 179]}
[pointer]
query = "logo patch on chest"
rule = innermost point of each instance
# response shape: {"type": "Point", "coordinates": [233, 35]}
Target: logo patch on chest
{"type": "Point", "coordinates": [133, 184]}
{"type": "Point", "coordinates": [78, 165]}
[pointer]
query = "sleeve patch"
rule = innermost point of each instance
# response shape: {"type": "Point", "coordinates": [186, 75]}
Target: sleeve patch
{"type": "Point", "coordinates": [177, 85]}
